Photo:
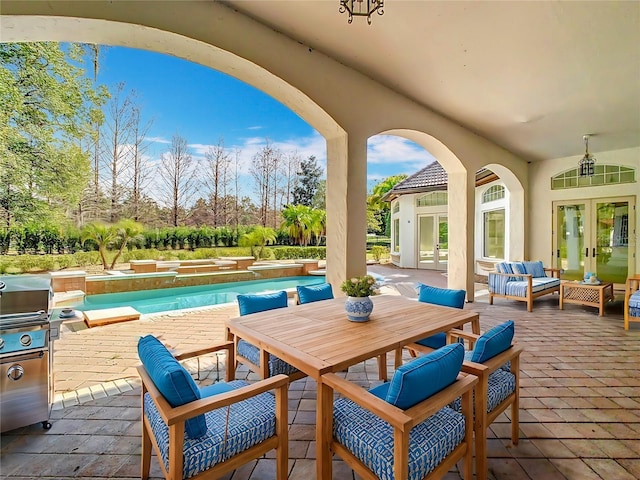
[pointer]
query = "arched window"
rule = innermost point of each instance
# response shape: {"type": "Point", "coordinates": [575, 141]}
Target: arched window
{"type": "Point", "coordinates": [493, 193]}
{"type": "Point", "coordinates": [432, 199]}
{"type": "Point", "coordinates": [603, 174]}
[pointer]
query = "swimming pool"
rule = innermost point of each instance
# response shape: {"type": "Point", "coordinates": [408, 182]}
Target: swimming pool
{"type": "Point", "coordinates": [167, 299]}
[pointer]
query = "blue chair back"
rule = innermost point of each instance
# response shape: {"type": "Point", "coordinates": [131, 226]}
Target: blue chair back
{"type": "Point", "coordinates": [442, 296]}
{"type": "Point", "coordinates": [253, 303]}
{"type": "Point", "coordinates": [314, 293]}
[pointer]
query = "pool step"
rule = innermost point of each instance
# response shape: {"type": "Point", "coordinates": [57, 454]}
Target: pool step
{"type": "Point", "coordinates": [95, 318]}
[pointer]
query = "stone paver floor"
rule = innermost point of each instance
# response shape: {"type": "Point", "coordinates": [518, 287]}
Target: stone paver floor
{"type": "Point", "coordinates": [579, 407]}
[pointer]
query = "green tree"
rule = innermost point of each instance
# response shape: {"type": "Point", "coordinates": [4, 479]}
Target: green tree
{"type": "Point", "coordinates": [378, 218]}
{"type": "Point", "coordinates": [46, 107]}
{"type": "Point", "coordinates": [258, 239]}
{"type": "Point", "coordinates": [127, 230]}
{"type": "Point", "coordinates": [308, 181]}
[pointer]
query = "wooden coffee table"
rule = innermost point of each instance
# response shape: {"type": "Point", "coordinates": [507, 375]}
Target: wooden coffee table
{"type": "Point", "coordinates": [591, 295]}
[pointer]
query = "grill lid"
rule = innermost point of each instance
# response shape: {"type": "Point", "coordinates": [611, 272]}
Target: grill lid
{"type": "Point", "coordinates": [24, 294]}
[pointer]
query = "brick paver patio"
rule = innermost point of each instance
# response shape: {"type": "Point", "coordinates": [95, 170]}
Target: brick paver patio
{"type": "Point", "coordinates": [580, 397]}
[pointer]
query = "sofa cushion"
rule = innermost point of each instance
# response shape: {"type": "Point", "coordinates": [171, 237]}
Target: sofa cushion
{"type": "Point", "coordinates": [417, 380]}
{"type": "Point", "coordinates": [314, 293]}
{"type": "Point", "coordinates": [634, 304]}
{"type": "Point", "coordinates": [493, 342]}
{"type": "Point", "coordinates": [441, 296]}
{"type": "Point", "coordinates": [519, 288]}
{"type": "Point", "coordinates": [230, 431]}
{"type": "Point", "coordinates": [535, 269]}
{"type": "Point", "coordinates": [171, 378]}
{"type": "Point", "coordinates": [253, 303]}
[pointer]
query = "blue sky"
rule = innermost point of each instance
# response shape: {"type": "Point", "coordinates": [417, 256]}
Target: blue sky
{"type": "Point", "coordinates": [204, 105]}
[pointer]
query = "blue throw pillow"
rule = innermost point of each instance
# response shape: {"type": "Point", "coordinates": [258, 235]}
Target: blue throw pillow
{"type": "Point", "coordinates": [493, 342]}
{"type": "Point", "coordinates": [250, 303]}
{"type": "Point", "coordinates": [171, 378]}
{"type": "Point", "coordinates": [535, 269]}
{"type": "Point", "coordinates": [314, 293]}
{"type": "Point", "coordinates": [442, 296]}
{"type": "Point", "coordinates": [418, 380]}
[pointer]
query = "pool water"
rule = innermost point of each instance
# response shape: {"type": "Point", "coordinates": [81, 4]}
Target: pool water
{"type": "Point", "coordinates": [167, 299]}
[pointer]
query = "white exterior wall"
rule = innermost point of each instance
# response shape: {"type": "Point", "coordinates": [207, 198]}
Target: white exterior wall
{"type": "Point", "coordinates": [541, 198]}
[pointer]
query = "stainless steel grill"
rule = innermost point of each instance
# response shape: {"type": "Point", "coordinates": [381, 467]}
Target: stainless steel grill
{"type": "Point", "coordinates": [26, 377]}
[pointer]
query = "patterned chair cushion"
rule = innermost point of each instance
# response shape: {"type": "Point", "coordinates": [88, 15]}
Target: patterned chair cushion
{"type": "Point", "coordinates": [250, 422]}
{"type": "Point", "coordinates": [371, 439]}
{"type": "Point", "coordinates": [314, 293]}
{"type": "Point", "coordinates": [501, 384]}
{"type": "Point", "coordinates": [250, 303]}
{"type": "Point", "coordinates": [417, 380]}
{"type": "Point", "coordinates": [493, 342]}
{"type": "Point", "coordinates": [634, 304]}
{"type": "Point", "coordinates": [276, 365]}
{"type": "Point", "coordinates": [519, 288]}
{"type": "Point", "coordinates": [171, 378]}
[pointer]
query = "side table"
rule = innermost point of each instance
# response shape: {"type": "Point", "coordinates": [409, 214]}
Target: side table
{"type": "Point", "coordinates": [591, 295]}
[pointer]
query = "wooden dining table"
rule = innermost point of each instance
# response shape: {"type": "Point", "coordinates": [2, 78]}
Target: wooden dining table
{"type": "Point", "coordinates": [317, 338]}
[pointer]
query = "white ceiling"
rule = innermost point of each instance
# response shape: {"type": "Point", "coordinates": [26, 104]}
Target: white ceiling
{"type": "Point", "coordinates": [532, 76]}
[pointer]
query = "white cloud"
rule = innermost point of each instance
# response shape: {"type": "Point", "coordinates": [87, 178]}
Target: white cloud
{"type": "Point", "coordinates": [158, 140]}
{"type": "Point", "coordinates": [255, 127]}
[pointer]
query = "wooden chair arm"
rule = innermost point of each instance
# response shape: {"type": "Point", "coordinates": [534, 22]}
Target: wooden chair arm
{"type": "Point", "coordinates": [493, 364]}
{"type": "Point", "coordinates": [229, 346]}
{"type": "Point", "coordinates": [555, 271]}
{"type": "Point", "coordinates": [172, 415]}
{"type": "Point", "coordinates": [457, 333]}
{"type": "Point", "coordinates": [404, 420]}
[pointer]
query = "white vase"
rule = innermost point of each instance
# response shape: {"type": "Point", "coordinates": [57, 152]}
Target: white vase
{"type": "Point", "coordinates": [358, 308]}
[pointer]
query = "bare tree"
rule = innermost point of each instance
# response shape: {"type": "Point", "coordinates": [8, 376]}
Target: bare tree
{"type": "Point", "coordinates": [263, 169]}
{"type": "Point", "coordinates": [140, 173]}
{"type": "Point", "coordinates": [216, 179]}
{"type": "Point", "coordinates": [290, 173]}
{"type": "Point", "coordinates": [117, 133]}
{"type": "Point", "coordinates": [177, 177]}
{"type": "Point", "coordinates": [236, 216]}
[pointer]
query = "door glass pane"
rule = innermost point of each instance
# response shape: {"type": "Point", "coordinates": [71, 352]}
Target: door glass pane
{"type": "Point", "coordinates": [612, 241]}
{"type": "Point", "coordinates": [443, 241]}
{"type": "Point", "coordinates": [493, 245]}
{"type": "Point", "coordinates": [570, 230]}
{"type": "Point", "coordinates": [396, 235]}
{"type": "Point", "coordinates": [426, 234]}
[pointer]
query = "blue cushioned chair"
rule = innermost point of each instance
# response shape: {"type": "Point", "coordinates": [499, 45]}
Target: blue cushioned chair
{"type": "Point", "coordinates": [234, 424]}
{"type": "Point", "coordinates": [632, 301]}
{"type": "Point", "coordinates": [250, 354]}
{"type": "Point", "coordinates": [404, 429]}
{"type": "Point", "coordinates": [495, 360]}
{"type": "Point", "coordinates": [314, 293]}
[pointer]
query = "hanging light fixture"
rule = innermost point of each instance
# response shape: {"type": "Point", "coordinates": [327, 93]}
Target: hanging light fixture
{"type": "Point", "coordinates": [586, 165]}
{"type": "Point", "coordinates": [361, 8]}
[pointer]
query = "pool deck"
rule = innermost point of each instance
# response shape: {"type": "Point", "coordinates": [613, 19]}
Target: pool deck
{"type": "Point", "coordinates": [579, 408]}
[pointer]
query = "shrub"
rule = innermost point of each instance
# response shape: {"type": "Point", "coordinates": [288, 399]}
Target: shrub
{"type": "Point", "coordinates": [292, 253]}
{"type": "Point", "coordinates": [379, 251]}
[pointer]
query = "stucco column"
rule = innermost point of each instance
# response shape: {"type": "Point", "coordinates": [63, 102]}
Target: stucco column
{"type": "Point", "coordinates": [461, 192]}
{"type": "Point", "coordinates": [346, 208]}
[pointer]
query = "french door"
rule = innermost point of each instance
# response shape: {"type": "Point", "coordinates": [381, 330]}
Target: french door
{"type": "Point", "coordinates": [433, 246]}
{"type": "Point", "coordinates": [593, 236]}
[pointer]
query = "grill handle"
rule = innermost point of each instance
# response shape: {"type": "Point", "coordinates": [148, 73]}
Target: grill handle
{"type": "Point", "coordinates": [22, 357]}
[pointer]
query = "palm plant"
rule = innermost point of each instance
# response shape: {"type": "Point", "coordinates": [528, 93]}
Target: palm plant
{"type": "Point", "coordinates": [126, 230]}
{"type": "Point", "coordinates": [102, 235]}
{"type": "Point", "coordinates": [258, 239]}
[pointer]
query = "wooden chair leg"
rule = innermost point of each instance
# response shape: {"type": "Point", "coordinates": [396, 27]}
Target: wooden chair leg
{"type": "Point", "coordinates": [146, 453]}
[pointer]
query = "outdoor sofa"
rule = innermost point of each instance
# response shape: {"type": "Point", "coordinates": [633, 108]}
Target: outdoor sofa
{"type": "Point", "coordinates": [632, 301]}
{"type": "Point", "coordinates": [523, 281]}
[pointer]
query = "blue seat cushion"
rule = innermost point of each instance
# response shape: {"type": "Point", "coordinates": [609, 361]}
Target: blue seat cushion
{"type": "Point", "coordinates": [250, 422]}
{"type": "Point", "coordinates": [276, 364]}
{"type": "Point", "coordinates": [253, 303]}
{"type": "Point", "coordinates": [500, 384]}
{"type": "Point", "coordinates": [370, 439]}
{"type": "Point", "coordinates": [441, 296]}
{"type": "Point", "coordinates": [493, 342]}
{"type": "Point", "coordinates": [417, 380]}
{"type": "Point", "coordinates": [434, 341]}
{"type": "Point", "coordinates": [519, 288]}
{"type": "Point", "coordinates": [634, 304]}
{"type": "Point", "coordinates": [314, 293]}
{"type": "Point", "coordinates": [171, 379]}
